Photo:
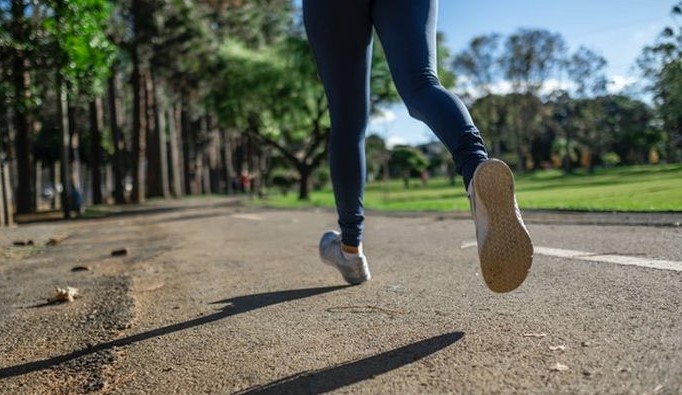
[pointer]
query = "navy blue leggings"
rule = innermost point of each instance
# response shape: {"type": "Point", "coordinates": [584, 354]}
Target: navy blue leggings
{"type": "Point", "coordinates": [340, 35]}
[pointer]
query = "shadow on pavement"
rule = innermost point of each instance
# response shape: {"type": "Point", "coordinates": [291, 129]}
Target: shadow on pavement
{"type": "Point", "coordinates": [329, 379]}
{"type": "Point", "coordinates": [237, 305]}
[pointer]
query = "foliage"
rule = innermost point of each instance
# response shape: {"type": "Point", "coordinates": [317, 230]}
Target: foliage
{"type": "Point", "coordinates": [82, 50]}
{"type": "Point", "coordinates": [406, 160]}
{"type": "Point", "coordinates": [376, 154]}
{"type": "Point", "coordinates": [275, 96]}
{"type": "Point", "coordinates": [586, 70]}
{"type": "Point", "coordinates": [661, 65]}
{"type": "Point", "coordinates": [480, 62]}
{"type": "Point", "coordinates": [532, 56]}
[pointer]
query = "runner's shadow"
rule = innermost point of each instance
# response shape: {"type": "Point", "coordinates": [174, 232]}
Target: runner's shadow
{"type": "Point", "coordinates": [336, 377]}
{"type": "Point", "coordinates": [237, 305]}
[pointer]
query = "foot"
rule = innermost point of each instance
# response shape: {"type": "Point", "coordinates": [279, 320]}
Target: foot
{"type": "Point", "coordinates": [505, 249]}
{"type": "Point", "coordinates": [354, 269]}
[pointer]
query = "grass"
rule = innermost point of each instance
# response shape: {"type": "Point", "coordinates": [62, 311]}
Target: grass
{"type": "Point", "coordinates": [633, 188]}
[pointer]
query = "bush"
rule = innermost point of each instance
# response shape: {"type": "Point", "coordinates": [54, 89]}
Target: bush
{"type": "Point", "coordinates": [611, 159]}
{"type": "Point", "coordinates": [321, 179]}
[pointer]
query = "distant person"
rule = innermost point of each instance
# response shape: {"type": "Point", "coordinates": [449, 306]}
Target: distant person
{"type": "Point", "coordinates": [340, 35]}
{"type": "Point", "coordinates": [245, 181]}
{"type": "Point", "coordinates": [77, 201]}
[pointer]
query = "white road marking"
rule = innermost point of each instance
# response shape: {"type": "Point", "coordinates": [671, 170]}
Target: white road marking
{"type": "Point", "coordinates": [250, 217]}
{"type": "Point", "coordinates": [610, 258]}
{"type": "Point", "coordinates": [469, 244]}
{"type": "Point", "coordinates": [607, 258]}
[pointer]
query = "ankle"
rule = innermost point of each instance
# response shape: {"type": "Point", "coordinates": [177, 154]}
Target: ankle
{"type": "Point", "coordinates": [351, 249]}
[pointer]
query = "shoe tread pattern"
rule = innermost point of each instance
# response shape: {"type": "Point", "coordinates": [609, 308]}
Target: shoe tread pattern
{"type": "Point", "coordinates": [507, 252]}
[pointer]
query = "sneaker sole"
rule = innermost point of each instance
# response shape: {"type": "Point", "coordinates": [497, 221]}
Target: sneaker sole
{"type": "Point", "coordinates": [507, 252]}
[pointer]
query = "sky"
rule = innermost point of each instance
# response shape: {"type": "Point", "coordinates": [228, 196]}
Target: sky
{"type": "Point", "coordinates": [615, 29]}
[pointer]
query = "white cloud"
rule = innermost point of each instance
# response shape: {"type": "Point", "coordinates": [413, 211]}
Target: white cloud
{"type": "Point", "coordinates": [617, 83]}
{"type": "Point", "coordinates": [505, 87]}
{"type": "Point", "coordinates": [386, 116]}
{"type": "Point", "coordinates": [556, 84]}
{"type": "Point", "coordinates": [394, 140]}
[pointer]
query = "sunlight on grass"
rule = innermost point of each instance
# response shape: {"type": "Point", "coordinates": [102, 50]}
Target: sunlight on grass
{"type": "Point", "coordinates": [636, 188]}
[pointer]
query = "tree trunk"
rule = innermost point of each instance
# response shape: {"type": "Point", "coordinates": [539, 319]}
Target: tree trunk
{"type": "Point", "coordinates": [175, 144]}
{"type": "Point", "coordinates": [304, 173]}
{"type": "Point", "coordinates": [96, 126]}
{"type": "Point", "coordinates": [205, 148]}
{"type": "Point", "coordinates": [118, 141]}
{"type": "Point", "coordinates": [229, 173]}
{"type": "Point", "coordinates": [157, 179]}
{"type": "Point", "coordinates": [55, 179]}
{"type": "Point", "coordinates": [6, 197]}
{"type": "Point", "coordinates": [25, 201]}
{"type": "Point", "coordinates": [198, 171]}
{"type": "Point", "coordinates": [74, 148]}
{"type": "Point", "coordinates": [187, 144]}
{"type": "Point", "coordinates": [38, 178]}
{"type": "Point", "coordinates": [213, 157]}
{"type": "Point", "coordinates": [139, 132]}
{"type": "Point", "coordinates": [62, 112]}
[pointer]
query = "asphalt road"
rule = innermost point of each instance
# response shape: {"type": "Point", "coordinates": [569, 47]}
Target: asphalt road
{"type": "Point", "coordinates": [213, 297]}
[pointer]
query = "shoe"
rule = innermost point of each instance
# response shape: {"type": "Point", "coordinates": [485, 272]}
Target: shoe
{"type": "Point", "coordinates": [354, 270]}
{"type": "Point", "coordinates": [505, 249]}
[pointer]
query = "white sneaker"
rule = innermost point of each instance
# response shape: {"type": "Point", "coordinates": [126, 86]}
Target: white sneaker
{"type": "Point", "coordinates": [505, 249]}
{"type": "Point", "coordinates": [354, 269]}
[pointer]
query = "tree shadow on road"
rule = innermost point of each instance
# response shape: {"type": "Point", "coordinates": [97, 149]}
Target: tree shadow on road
{"type": "Point", "coordinates": [333, 378]}
{"type": "Point", "coordinates": [236, 305]}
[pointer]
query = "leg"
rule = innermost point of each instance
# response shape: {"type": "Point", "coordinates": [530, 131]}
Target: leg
{"type": "Point", "coordinates": [407, 29]}
{"type": "Point", "coordinates": [340, 34]}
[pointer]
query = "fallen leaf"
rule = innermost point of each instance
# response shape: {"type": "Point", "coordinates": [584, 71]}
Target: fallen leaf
{"type": "Point", "coordinates": [558, 367]}
{"type": "Point", "coordinates": [67, 294]}
{"type": "Point", "coordinates": [53, 241]}
{"type": "Point", "coordinates": [537, 335]}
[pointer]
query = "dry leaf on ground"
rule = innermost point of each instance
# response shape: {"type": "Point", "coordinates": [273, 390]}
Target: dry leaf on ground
{"type": "Point", "coordinates": [558, 367]}
{"type": "Point", "coordinates": [67, 294]}
{"type": "Point", "coordinates": [538, 335]}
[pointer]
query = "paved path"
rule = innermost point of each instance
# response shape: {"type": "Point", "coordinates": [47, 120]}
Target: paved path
{"type": "Point", "coordinates": [216, 298]}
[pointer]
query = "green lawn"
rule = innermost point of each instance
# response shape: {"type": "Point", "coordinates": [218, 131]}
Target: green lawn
{"type": "Point", "coordinates": [635, 188]}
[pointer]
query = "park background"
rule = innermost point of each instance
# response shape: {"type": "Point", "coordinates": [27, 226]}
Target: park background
{"type": "Point", "coordinates": [111, 103]}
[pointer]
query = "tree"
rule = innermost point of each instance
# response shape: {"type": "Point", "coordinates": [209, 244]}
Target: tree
{"type": "Point", "coordinates": [624, 126]}
{"type": "Point", "coordinates": [21, 80]}
{"type": "Point", "coordinates": [661, 65]}
{"type": "Point", "coordinates": [376, 154]}
{"type": "Point", "coordinates": [480, 63]}
{"type": "Point", "coordinates": [275, 96]}
{"type": "Point", "coordinates": [182, 67]}
{"type": "Point", "coordinates": [531, 57]}
{"type": "Point", "coordinates": [83, 56]}
{"type": "Point", "coordinates": [494, 118]}
{"type": "Point", "coordinates": [586, 71]}
{"type": "Point", "coordinates": [406, 160]}
{"type": "Point", "coordinates": [144, 28]}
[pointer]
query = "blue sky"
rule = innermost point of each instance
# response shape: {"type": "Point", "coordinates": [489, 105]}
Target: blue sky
{"type": "Point", "coordinates": [616, 29]}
